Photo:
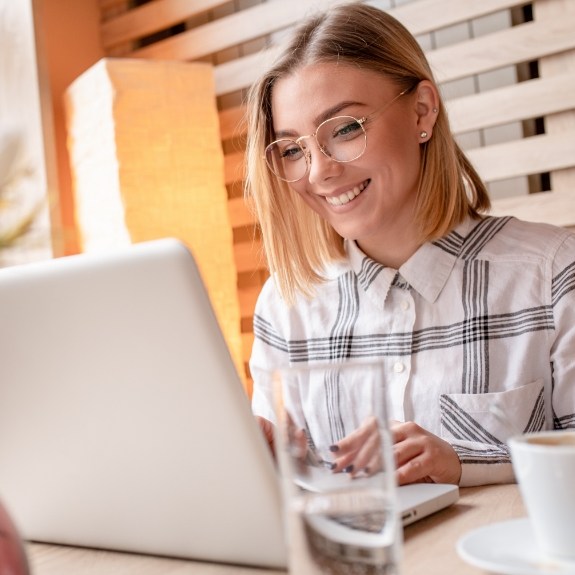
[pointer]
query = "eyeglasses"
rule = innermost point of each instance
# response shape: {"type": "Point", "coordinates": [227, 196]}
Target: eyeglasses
{"type": "Point", "coordinates": [342, 139]}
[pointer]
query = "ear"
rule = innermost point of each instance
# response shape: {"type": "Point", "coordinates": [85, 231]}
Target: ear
{"type": "Point", "coordinates": [427, 106]}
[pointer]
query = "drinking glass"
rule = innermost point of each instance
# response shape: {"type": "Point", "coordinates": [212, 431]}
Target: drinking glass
{"type": "Point", "coordinates": [336, 463]}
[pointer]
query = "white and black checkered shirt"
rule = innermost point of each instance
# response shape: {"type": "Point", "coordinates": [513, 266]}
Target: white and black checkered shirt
{"type": "Point", "coordinates": [483, 317]}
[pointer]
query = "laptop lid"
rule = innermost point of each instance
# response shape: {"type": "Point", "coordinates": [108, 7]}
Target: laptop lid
{"type": "Point", "coordinates": [123, 423]}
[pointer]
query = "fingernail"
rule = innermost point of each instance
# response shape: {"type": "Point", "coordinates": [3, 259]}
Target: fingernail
{"type": "Point", "coordinates": [348, 469]}
{"type": "Point", "coordinates": [334, 448]}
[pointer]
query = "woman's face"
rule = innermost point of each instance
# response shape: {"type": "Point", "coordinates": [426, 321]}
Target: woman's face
{"type": "Point", "coordinates": [383, 182]}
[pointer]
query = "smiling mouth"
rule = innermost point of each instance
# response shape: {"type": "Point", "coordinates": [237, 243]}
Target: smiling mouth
{"type": "Point", "coordinates": [348, 196]}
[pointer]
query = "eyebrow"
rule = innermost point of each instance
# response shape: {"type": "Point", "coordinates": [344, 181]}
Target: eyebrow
{"type": "Point", "coordinates": [325, 115]}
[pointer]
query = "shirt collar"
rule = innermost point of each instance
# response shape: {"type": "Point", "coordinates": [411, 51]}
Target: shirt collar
{"type": "Point", "coordinates": [426, 271]}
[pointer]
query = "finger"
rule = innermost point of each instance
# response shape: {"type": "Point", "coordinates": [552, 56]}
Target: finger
{"type": "Point", "coordinates": [407, 450]}
{"type": "Point", "coordinates": [369, 454]}
{"type": "Point", "coordinates": [413, 471]}
{"type": "Point", "coordinates": [356, 438]}
{"type": "Point", "coordinates": [357, 453]}
{"type": "Point", "coordinates": [345, 463]}
{"type": "Point", "coordinates": [372, 466]}
{"type": "Point", "coordinates": [420, 468]}
{"type": "Point", "coordinates": [403, 431]}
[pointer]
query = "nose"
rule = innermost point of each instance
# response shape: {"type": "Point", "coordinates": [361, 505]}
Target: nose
{"type": "Point", "coordinates": [320, 165]}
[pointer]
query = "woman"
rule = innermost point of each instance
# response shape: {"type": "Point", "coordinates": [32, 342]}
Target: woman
{"type": "Point", "coordinates": [376, 235]}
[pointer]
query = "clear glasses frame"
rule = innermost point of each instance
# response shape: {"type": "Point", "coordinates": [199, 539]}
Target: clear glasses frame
{"type": "Point", "coordinates": [295, 149]}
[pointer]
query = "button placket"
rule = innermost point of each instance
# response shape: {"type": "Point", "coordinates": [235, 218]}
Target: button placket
{"type": "Point", "coordinates": [399, 367]}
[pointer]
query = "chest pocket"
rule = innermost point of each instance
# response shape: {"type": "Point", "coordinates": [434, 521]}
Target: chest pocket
{"type": "Point", "coordinates": [493, 417]}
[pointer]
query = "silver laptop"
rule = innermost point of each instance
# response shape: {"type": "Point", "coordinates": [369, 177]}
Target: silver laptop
{"type": "Point", "coordinates": [123, 422]}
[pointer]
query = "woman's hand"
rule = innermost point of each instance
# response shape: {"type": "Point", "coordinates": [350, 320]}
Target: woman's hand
{"type": "Point", "coordinates": [359, 453]}
{"type": "Point", "coordinates": [421, 456]}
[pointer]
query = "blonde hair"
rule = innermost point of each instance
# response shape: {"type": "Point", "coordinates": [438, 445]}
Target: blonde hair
{"type": "Point", "coordinates": [297, 242]}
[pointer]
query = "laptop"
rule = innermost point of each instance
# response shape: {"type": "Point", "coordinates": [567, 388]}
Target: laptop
{"type": "Point", "coordinates": [123, 422]}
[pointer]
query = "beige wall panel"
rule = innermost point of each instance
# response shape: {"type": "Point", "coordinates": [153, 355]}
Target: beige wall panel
{"type": "Point", "coordinates": [548, 10]}
{"type": "Point", "coordinates": [523, 157]}
{"type": "Point", "coordinates": [517, 102]}
{"type": "Point", "coordinates": [511, 46]}
{"type": "Point", "coordinates": [429, 15]}
{"type": "Point", "coordinates": [556, 208]}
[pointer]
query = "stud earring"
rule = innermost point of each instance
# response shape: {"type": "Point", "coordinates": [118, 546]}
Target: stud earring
{"type": "Point", "coordinates": [435, 110]}
{"type": "Point", "coordinates": [423, 134]}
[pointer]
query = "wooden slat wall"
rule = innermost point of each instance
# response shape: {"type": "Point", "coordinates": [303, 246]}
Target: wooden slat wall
{"type": "Point", "coordinates": [233, 34]}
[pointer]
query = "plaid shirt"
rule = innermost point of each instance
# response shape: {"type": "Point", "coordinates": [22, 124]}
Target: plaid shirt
{"type": "Point", "coordinates": [477, 324]}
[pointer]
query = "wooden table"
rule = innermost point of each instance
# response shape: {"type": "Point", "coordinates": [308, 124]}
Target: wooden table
{"type": "Point", "coordinates": [429, 546]}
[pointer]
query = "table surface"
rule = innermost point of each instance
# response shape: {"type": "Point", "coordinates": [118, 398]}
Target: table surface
{"type": "Point", "coordinates": [429, 545]}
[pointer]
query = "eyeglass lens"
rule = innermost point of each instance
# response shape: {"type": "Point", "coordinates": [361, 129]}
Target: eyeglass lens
{"type": "Point", "coordinates": [342, 139]}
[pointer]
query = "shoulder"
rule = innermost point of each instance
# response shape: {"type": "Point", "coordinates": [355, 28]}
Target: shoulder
{"type": "Point", "coordinates": [270, 295]}
{"type": "Point", "coordinates": [514, 238]}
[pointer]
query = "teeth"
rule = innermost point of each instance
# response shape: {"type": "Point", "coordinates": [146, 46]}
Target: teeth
{"type": "Point", "coordinates": [346, 197]}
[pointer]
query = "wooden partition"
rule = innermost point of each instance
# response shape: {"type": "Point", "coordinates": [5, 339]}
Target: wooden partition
{"type": "Point", "coordinates": [506, 67]}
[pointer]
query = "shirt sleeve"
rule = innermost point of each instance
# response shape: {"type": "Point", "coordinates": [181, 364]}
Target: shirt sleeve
{"type": "Point", "coordinates": [473, 474]}
{"type": "Point", "coordinates": [269, 350]}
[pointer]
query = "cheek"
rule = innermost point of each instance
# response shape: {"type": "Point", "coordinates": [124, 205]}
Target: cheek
{"type": "Point", "coordinates": [399, 153]}
{"type": "Point", "coordinates": [310, 199]}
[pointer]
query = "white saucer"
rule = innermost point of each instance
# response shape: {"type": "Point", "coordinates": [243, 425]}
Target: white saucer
{"type": "Point", "coordinates": [509, 548]}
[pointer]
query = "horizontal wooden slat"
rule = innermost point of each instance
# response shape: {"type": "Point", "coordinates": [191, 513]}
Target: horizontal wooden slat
{"type": "Point", "coordinates": [233, 167]}
{"type": "Point", "coordinates": [522, 101]}
{"type": "Point", "coordinates": [232, 123]}
{"type": "Point", "coordinates": [152, 17]}
{"type": "Point", "coordinates": [534, 155]}
{"type": "Point", "coordinates": [504, 48]}
{"type": "Point", "coordinates": [557, 208]}
{"type": "Point", "coordinates": [249, 256]}
{"type": "Point", "coordinates": [499, 49]}
{"type": "Point", "coordinates": [240, 215]}
{"type": "Point", "coordinates": [248, 299]}
{"type": "Point", "coordinates": [428, 15]}
{"type": "Point", "coordinates": [242, 72]}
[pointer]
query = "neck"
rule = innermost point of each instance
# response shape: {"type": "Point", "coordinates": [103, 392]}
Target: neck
{"type": "Point", "coordinates": [391, 249]}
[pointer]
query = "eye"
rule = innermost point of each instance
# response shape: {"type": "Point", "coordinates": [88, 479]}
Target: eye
{"type": "Point", "coordinates": [345, 128]}
{"type": "Point", "coordinates": [289, 150]}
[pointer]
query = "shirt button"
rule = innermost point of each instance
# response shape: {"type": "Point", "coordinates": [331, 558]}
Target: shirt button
{"type": "Point", "coordinates": [398, 367]}
{"type": "Point", "coordinates": [404, 305]}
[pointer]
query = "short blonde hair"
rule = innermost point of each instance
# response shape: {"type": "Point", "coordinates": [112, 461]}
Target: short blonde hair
{"type": "Point", "coordinates": [297, 242]}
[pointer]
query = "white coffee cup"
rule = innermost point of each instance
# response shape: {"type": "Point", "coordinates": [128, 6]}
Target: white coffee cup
{"type": "Point", "coordinates": [544, 465]}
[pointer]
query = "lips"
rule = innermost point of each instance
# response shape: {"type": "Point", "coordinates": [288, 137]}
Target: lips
{"type": "Point", "coordinates": [348, 196]}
